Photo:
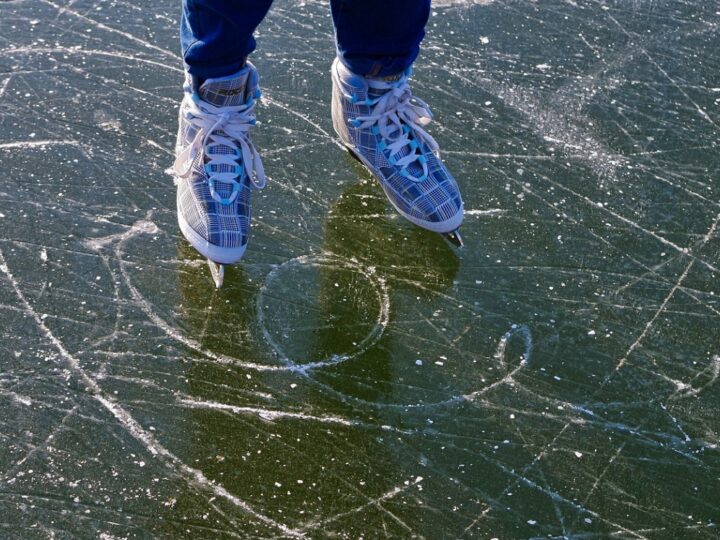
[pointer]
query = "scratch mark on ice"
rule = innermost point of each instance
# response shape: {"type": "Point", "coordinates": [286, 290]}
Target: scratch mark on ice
{"type": "Point", "coordinates": [129, 423]}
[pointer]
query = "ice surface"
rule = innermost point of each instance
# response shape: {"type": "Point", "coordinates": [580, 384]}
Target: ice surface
{"type": "Point", "coordinates": [356, 376]}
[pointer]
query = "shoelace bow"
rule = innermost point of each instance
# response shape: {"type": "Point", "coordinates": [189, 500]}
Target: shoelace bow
{"type": "Point", "coordinates": [398, 117]}
{"type": "Point", "coordinates": [235, 122]}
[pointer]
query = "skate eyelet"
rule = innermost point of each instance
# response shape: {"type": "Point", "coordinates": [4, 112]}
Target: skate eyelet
{"type": "Point", "coordinates": [225, 201]}
{"type": "Point", "coordinates": [235, 193]}
{"type": "Point", "coordinates": [213, 193]}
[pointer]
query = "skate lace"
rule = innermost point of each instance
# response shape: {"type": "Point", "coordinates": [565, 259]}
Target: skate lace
{"type": "Point", "coordinates": [399, 118]}
{"type": "Point", "coordinates": [228, 127]}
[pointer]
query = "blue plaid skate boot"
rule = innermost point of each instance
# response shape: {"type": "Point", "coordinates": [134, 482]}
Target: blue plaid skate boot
{"type": "Point", "coordinates": [382, 125]}
{"type": "Point", "coordinates": [217, 166]}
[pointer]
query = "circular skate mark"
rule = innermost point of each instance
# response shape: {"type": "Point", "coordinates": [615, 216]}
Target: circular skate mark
{"type": "Point", "coordinates": [320, 310]}
{"type": "Point", "coordinates": [338, 325]}
{"type": "Point", "coordinates": [519, 336]}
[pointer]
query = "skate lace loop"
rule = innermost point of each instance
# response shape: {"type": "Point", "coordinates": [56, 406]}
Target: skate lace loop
{"type": "Point", "coordinates": [399, 118]}
{"type": "Point", "coordinates": [222, 127]}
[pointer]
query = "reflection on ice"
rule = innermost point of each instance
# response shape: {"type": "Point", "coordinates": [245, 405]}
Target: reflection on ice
{"type": "Point", "coordinates": [357, 376]}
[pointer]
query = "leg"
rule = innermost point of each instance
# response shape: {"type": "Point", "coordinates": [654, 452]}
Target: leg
{"type": "Point", "coordinates": [377, 117]}
{"type": "Point", "coordinates": [377, 38]}
{"type": "Point", "coordinates": [217, 165]}
{"type": "Point", "coordinates": [216, 35]}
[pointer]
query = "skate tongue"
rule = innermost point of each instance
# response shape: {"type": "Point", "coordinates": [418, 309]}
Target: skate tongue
{"type": "Point", "coordinates": [377, 92]}
{"type": "Point", "coordinates": [225, 91]}
{"type": "Point", "coordinates": [389, 78]}
{"type": "Point", "coordinates": [230, 91]}
{"type": "Point", "coordinates": [394, 132]}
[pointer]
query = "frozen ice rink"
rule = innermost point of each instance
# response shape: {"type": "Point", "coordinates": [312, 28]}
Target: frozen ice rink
{"type": "Point", "coordinates": [358, 377]}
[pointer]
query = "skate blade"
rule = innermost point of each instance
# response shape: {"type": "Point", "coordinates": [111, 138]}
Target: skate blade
{"type": "Point", "coordinates": [455, 238]}
{"type": "Point", "coordinates": [218, 273]}
{"type": "Point", "coordinates": [354, 155]}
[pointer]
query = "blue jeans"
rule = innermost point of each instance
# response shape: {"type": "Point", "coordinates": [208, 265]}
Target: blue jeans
{"type": "Point", "coordinates": [374, 37]}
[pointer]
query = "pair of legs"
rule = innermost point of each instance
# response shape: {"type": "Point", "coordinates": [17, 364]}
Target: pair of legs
{"type": "Point", "coordinates": [373, 110]}
{"type": "Point", "coordinates": [374, 37]}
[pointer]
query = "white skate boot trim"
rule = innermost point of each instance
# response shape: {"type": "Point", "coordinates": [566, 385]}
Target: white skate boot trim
{"type": "Point", "coordinates": [221, 255]}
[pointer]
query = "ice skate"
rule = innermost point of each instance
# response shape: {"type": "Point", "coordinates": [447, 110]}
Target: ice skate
{"type": "Point", "coordinates": [382, 125]}
{"type": "Point", "coordinates": [217, 166]}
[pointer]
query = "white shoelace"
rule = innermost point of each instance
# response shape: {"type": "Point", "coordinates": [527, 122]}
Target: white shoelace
{"type": "Point", "coordinates": [400, 118]}
{"type": "Point", "coordinates": [236, 123]}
